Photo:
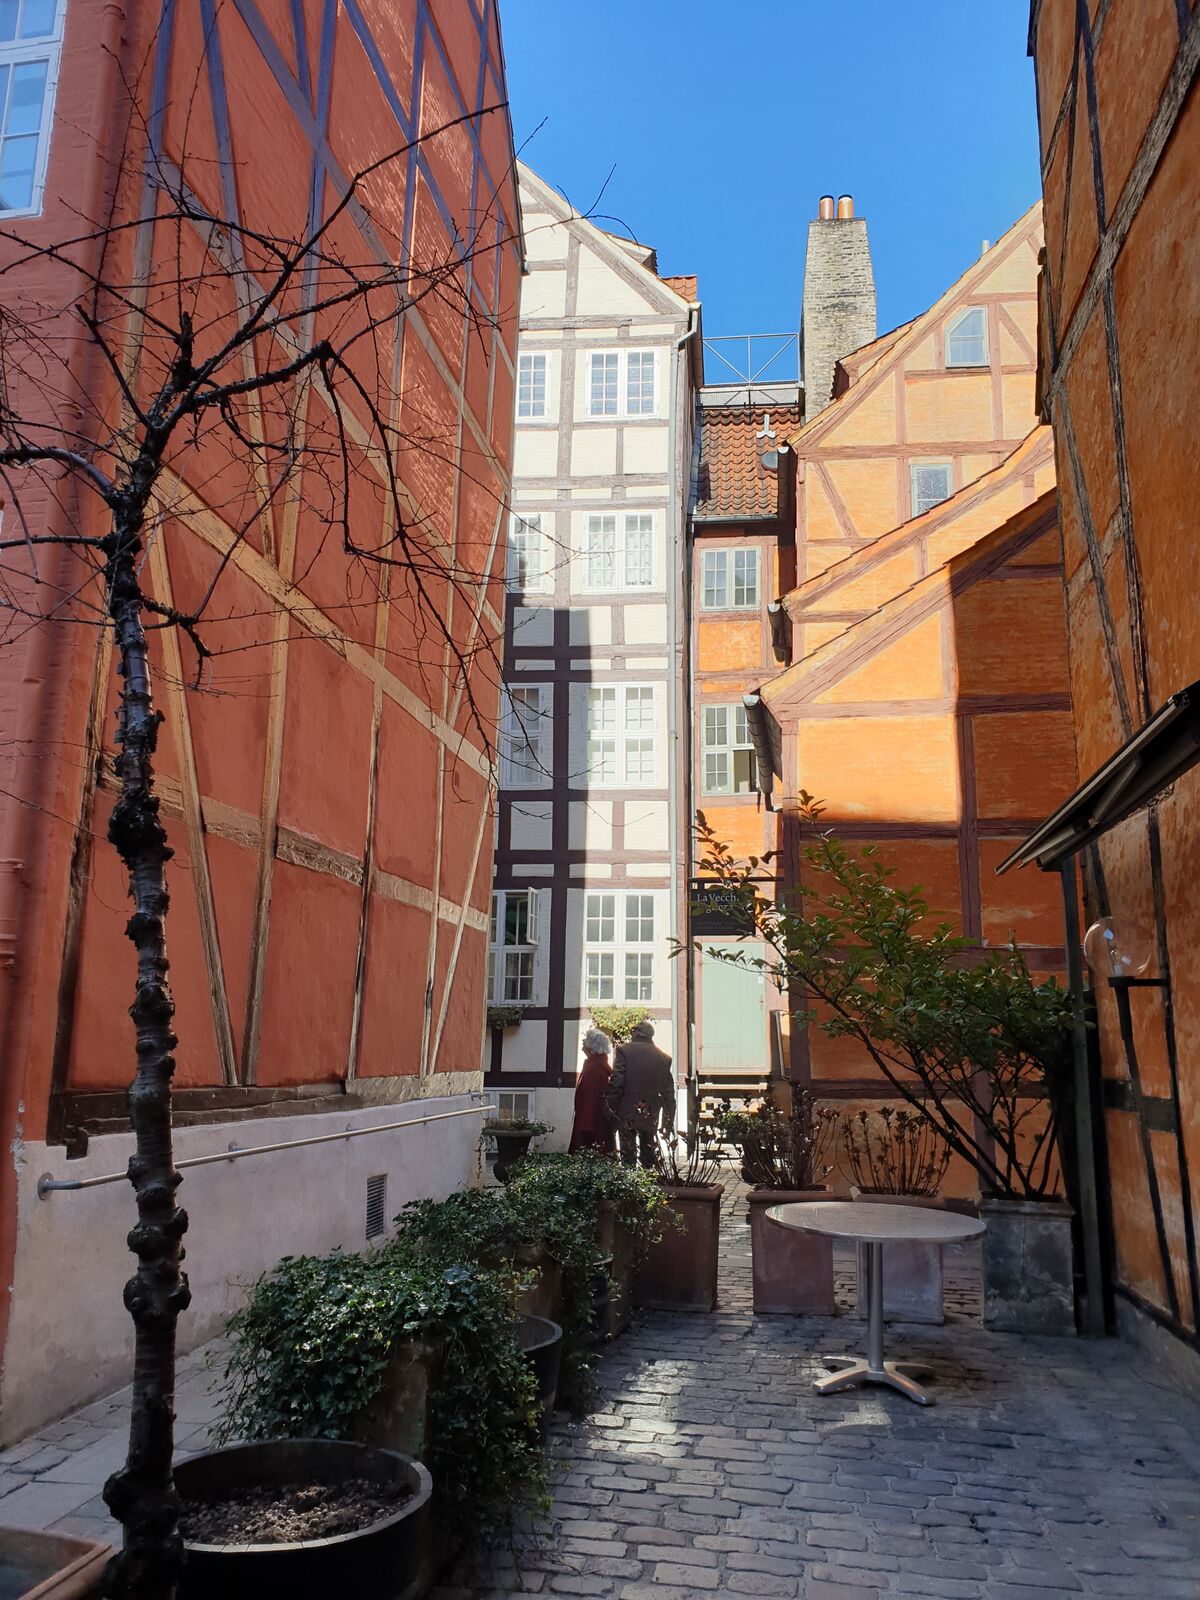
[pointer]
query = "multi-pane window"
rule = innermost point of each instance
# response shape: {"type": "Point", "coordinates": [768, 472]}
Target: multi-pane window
{"type": "Point", "coordinates": [622, 383]}
{"type": "Point", "coordinates": [526, 568]}
{"type": "Point", "coordinates": [618, 551]}
{"type": "Point", "coordinates": [929, 484]}
{"type": "Point", "coordinates": [512, 946]}
{"type": "Point", "coordinates": [618, 946]}
{"type": "Point", "coordinates": [966, 339]}
{"type": "Point", "coordinates": [726, 751]}
{"type": "Point", "coordinates": [531, 384]}
{"type": "Point", "coordinates": [729, 580]}
{"type": "Point", "coordinates": [622, 736]}
{"type": "Point", "coordinates": [30, 36]}
{"type": "Point", "coordinates": [639, 383]}
{"type": "Point", "coordinates": [524, 737]}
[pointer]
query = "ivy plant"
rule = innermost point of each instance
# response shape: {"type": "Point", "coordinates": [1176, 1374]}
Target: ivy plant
{"type": "Point", "coordinates": [618, 1022]}
{"type": "Point", "coordinates": [309, 1348]}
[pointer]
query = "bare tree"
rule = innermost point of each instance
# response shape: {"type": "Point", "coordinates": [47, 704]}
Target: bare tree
{"type": "Point", "coordinates": [244, 358]}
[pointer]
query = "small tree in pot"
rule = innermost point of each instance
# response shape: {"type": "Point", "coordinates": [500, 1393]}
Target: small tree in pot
{"type": "Point", "coordinates": [897, 1156]}
{"type": "Point", "coordinates": [679, 1269]}
{"type": "Point", "coordinates": [786, 1159]}
{"type": "Point", "coordinates": [971, 1041]}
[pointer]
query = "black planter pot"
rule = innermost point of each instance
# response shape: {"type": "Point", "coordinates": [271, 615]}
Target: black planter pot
{"type": "Point", "coordinates": [387, 1560]}
{"type": "Point", "coordinates": [541, 1344]}
{"type": "Point", "coordinates": [511, 1150]}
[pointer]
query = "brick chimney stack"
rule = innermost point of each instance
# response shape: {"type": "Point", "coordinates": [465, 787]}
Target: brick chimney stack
{"type": "Point", "coordinates": [839, 297]}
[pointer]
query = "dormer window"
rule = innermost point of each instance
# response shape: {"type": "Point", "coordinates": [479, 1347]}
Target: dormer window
{"type": "Point", "coordinates": [966, 339]}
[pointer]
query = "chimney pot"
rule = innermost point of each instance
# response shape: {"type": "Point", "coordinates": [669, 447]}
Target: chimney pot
{"type": "Point", "coordinates": [825, 208]}
{"type": "Point", "coordinates": [845, 207]}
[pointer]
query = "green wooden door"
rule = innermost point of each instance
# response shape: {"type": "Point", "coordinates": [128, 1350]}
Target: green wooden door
{"type": "Point", "coordinates": [732, 1025]}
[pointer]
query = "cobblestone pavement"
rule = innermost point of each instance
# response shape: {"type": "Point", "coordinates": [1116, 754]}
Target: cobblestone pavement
{"type": "Point", "coordinates": [711, 1467]}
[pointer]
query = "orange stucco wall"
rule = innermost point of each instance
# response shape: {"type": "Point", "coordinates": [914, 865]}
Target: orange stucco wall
{"type": "Point", "coordinates": [928, 703]}
{"type": "Point", "coordinates": [1120, 309]}
{"type": "Point", "coordinates": [327, 787]}
{"type": "Point", "coordinates": [937, 729]}
{"type": "Point", "coordinates": [904, 406]}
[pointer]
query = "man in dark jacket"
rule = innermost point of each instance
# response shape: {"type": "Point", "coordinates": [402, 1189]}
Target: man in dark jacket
{"type": "Point", "coordinates": [641, 1095]}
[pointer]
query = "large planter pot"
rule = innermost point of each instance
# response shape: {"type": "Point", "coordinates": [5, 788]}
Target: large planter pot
{"type": "Point", "coordinates": [615, 1240]}
{"type": "Point", "coordinates": [387, 1560]}
{"type": "Point", "coordinates": [793, 1271]}
{"type": "Point", "coordinates": [1028, 1266]}
{"type": "Point", "coordinates": [679, 1272]}
{"type": "Point", "coordinates": [397, 1418]}
{"type": "Point", "coordinates": [541, 1345]}
{"type": "Point", "coordinates": [543, 1297]}
{"type": "Point", "coordinates": [912, 1271]}
{"type": "Point", "coordinates": [48, 1566]}
{"type": "Point", "coordinates": [511, 1150]}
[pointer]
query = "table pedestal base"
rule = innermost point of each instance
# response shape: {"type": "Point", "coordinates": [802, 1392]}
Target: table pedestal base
{"type": "Point", "coordinates": [893, 1374]}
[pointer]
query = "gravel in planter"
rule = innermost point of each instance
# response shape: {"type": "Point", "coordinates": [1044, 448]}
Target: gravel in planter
{"type": "Point", "coordinates": [283, 1514]}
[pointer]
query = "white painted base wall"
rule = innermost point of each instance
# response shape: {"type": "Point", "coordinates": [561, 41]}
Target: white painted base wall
{"type": "Point", "coordinates": [70, 1339]}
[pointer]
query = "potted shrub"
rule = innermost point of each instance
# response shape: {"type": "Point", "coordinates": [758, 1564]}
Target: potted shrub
{"type": "Point", "coordinates": [512, 1137]}
{"type": "Point", "coordinates": [967, 1038]}
{"type": "Point", "coordinates": [897, 1157]}
{"type": "Point", "coordinates": [303, 1517]}
{"type": "Point", "coordinates": [679, 1269]}
{"type": "Point", "coordinates": [786, 1159]}
{"type": "Point", "coordinates": [587, 1205]}
{"type": "Point", "coordinates": [310, 1349]}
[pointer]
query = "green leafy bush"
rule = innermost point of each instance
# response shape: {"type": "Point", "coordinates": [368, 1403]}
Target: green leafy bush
{"type": "Point", "coordinates": [310, 1346]}
{"type": "Point", "coordinates": [618, 1022]}
{"type": "Point", "coordinates": [967, 1038]}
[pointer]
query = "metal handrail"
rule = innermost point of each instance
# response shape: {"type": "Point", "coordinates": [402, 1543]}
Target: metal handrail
{"type": "Point", "coordinates": [48, 1185]}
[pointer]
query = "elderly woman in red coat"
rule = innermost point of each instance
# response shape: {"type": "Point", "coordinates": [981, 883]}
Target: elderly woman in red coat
{"type": "Point", "coordinates": [593, 1128]}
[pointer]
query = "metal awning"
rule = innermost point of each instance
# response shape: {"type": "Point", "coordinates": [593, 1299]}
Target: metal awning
{"type": "Point", "coordinates": [1147, 763]}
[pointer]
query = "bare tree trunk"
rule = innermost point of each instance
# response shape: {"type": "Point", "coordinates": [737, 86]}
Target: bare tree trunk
{"type": "Point", "coordinates": [142, 1494]}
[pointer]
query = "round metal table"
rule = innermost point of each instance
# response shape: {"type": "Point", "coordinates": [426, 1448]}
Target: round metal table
{"type": "Point", "coordinates": [872, 1224]}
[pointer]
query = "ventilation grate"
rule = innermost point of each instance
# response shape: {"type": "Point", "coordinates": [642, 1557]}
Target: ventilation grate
{"type": "Point", "coordinates": [376, 1205]}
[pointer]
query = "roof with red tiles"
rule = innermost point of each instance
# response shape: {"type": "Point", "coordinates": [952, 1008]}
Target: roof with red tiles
{"type": "Point", "coordinates": [732, 482]}
{"type": "Point", "coordinates": [683, 284]}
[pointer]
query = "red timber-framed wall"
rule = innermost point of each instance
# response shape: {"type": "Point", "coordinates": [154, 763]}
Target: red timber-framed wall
{"type": "Point", "coordinates": [1120, 307]}
{"type": "Point", "coordinates": [328, 789]}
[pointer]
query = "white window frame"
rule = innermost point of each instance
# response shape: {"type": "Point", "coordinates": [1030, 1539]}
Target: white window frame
{"type": "Point", "coordinates": [510, 1104]}
{"type": "Point", "coordinates": [952, 329]}
{"type": "Point", "coordinates": [530, 360]}
{"type": "Point", "coordinates": [735, 741]}
{"type": "Point", "coordinates": [525, 533]}
{"type": "Point", "coordinates": [47, 48]}
{"type": "Point", "coordinates": [621, 751]}
{"type": "Point", "coordinates": [620, 407]}
{"type": "Point", "coordinates": [523, 971]}
{"type": "Point", "coordinates": [623, 968]}
{"type": "Point", "coordinates": [916, 507]}
{"type": "Point", "coordinates": [592, 563]}
{"type": "Point", "coordinates": [525, 736]}
{"type": "Point", "coordinates": [725, 556]}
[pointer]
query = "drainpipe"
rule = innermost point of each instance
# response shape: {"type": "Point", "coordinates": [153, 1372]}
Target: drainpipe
{"type": "Point", "coordinates": [678, 652]}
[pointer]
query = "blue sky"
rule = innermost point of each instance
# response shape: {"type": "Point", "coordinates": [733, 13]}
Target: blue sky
{"type": "Point", "coordinates": [725, 122]}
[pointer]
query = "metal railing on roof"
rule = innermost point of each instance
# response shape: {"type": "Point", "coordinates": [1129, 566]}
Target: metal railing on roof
{"type": "Point", "coordinates": [750, 358]}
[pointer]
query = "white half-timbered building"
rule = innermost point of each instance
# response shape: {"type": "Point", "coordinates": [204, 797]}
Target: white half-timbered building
{"type": "Point", "coordinates": [590, 883]}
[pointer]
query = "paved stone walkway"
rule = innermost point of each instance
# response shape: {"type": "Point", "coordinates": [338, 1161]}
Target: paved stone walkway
{"type": "Point", "coordinates": [710, 1467]}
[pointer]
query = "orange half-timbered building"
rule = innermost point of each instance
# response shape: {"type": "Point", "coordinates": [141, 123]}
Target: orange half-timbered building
{"type": "Point", "coordinates": [327, 787]}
